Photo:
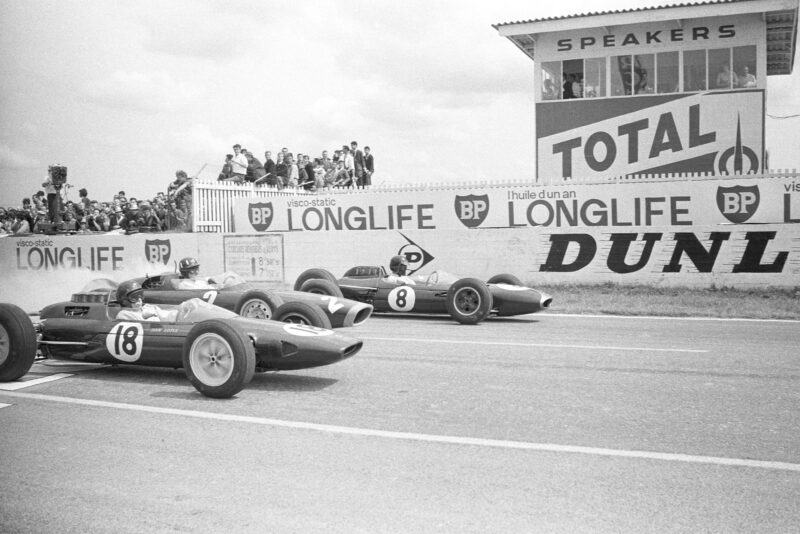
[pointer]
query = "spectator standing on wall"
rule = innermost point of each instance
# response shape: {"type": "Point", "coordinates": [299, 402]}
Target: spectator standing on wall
{"type": "Point", "coordinates": [309, 167]}
{"type": "Point", "coordinates": [319, 174]}
{"type": "Point", "coordinates": [227, 169]}
{"type": "Point", "coordinates": [281, 171]}
{"type": "Point", "coordinates": [238, 165]}
{"type": "Point", "coordinates": [293, 172]}
{"type": "Point", "coordinates": [39, 201]}
{"type": "Point", "coordinates": [358, 163]}
{"type": "Point", "coordinates": [255, 170]}
{"type": "Point", "coordinates": [269, 169]}
{"type": "Point", "coordinates": [53, 200]}
{"type": "Point", "coordinates": [369, 166]}
{"type": "Point", "coordinates": [341, 178]}
{"type": "Point", "coordinates": [180, 188]}
{"type": "Point", "coordinates": [303, 179]}
{"type": "Point", "coordinates": [83, 195]}
{"type": "Point", "coordinates": [349, 164]}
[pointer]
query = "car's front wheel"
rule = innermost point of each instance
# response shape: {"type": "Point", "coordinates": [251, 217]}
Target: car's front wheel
{"type": "Point", "coordinates": [469, 301]}
{"type": "Point", "coordinates": [310, 274]}
{"type": "Point", "coordinates": [302, 313]}
{"type": "Point", "coordinates": [505, 278]}
{"type": "Point", "coordinates": [17, 342]}
{"type": "Point", "coordinates": [258, 304]}
{"type": "Point", "coordinates": [218, 359]}
{"type": "Point", "coordinates": [319, 286]}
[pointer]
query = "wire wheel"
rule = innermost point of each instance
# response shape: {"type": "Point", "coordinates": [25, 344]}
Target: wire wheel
{"type": "Point", "coordinates": [256, 309]}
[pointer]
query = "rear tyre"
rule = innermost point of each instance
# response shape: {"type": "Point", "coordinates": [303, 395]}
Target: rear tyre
{"type": "Point", "coordinates": [310, 274]}
{"type": "Point", "coordinates": [505, 278]}
{"type": "Point", "coordinates": [319, 286]}
{"type": "Point", "coordinates": [17, 342]}
{"type": "Point", "coordinates": [258, 304]}
{"type": "Point", "coordinates": [302, 313]}
{"type": "Point", "coordinates": [218, 359]}
{"type": "Point", "coordinates": [469, 301]}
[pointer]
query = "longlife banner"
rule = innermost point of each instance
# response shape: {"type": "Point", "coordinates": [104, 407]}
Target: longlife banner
{"type": "Point", "coordinates": [680, 204]}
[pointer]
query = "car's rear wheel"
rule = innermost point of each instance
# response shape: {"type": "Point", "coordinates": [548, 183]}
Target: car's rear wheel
{"type": "Point", "coordinates": [310, 274]}
{"type": "Point", "coordinates": [505, 278]}
{"type": "Point", "coordinates": [17, 342]}
{"type": "Point", "coordinates": [218, 359]}
{"type": "Point", "coordinates": [302, 313]}
{"type": "Point", "coordinates": [319, 286]}
{"type": "Point", "coordinates": [258, 304]}
{"type": "Point", "coordinates": [469, 301]}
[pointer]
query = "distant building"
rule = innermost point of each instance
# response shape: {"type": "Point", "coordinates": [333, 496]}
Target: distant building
{"type": "Point", "coordinates": [670, 89]}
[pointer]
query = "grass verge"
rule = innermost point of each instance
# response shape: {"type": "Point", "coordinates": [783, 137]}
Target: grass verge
{"type": "Point", "coordinates": [613, 299]}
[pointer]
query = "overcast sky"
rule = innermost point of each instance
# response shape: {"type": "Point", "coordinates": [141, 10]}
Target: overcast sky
{"type": "Point", "coordinates": [126, 93]}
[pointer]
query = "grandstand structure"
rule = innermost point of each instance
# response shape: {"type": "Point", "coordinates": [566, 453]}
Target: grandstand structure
{"type": "Point", "coordinates": [668, 89]}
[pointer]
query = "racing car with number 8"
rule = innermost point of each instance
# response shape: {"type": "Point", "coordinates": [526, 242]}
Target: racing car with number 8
{"type": "Point", "coordinates": [466, 300]}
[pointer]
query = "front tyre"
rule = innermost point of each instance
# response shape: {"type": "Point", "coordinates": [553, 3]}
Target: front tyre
{"type": "Point", "coordinates": [469, 301]}
{"type": "Point", "coordinates": [17, 342]}
{"type": "Point", "coordinates": [319, 286]}
{"type": "Point", "coordinates": [218, 359]}
{"type": "Point", "coordinates": [310, 274]}
{"type": "Point", "coordinates": [302, 313]}
{"type": "Point", "coordinates": [505, 278]}
{"type": "Point", "coordinates": [258, 304]}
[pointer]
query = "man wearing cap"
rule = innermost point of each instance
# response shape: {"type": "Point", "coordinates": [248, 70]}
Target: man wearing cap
{"type": "Point", "coordinates": [238, 165]}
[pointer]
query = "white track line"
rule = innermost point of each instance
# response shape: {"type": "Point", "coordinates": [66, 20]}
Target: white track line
{"type": "Point", "coordinates": [4, 405]}
{"type": "Point", "coordinates": [428, 438]}
{"type": "Point", "coordinates": [19, 384]}
{"type": "Point", "coordinates": [549, 345]}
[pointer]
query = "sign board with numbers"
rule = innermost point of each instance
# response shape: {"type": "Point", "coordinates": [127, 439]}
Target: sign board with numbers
{"type": "Point", "coordinates": [257, 258]}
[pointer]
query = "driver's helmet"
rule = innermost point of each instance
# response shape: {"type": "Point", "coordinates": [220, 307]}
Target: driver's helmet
{"type": "Point", "coordinates": [129, 291]}
{"type": "Point", "coordinates": [398, 265]}
{"type": "Point", "coordinates": [188, 265]}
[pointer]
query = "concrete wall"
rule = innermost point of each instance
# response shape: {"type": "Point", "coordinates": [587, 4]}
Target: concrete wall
{"type": "Point", "coordinates": [737, 232]}
{"type": "Point", "coordinates": [41, 270]}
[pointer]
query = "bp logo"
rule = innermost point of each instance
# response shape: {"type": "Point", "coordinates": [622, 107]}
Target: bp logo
{"type": "Point", "coordinates": [472, 210]}
{"type": "Point", "coordinates": [738, 203]}
{"type": "Point", "coordinates": [260, 215]}
{"type": "Point", "coordinates": [417, 256]}
{"type": "Point", "coordinates": [157, 250]}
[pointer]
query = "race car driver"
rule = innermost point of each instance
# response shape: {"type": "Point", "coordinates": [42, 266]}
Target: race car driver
{"type": "Point", "coordinates": [129, 295]}
{"type": "Point", "coordinates": [398, 266]}
{"type": "Point", "coordinates": [190, 276]}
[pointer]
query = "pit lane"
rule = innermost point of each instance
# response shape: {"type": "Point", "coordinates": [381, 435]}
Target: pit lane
{"type": "Point", "coordinates": [582, 392]}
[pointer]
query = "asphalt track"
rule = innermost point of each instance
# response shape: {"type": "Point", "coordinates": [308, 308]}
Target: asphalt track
{"type": "Point", "coordinates": [546, 423]}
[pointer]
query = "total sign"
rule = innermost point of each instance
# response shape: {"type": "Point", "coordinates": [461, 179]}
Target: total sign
{"type": "Point", "coordinates": [716, 133]}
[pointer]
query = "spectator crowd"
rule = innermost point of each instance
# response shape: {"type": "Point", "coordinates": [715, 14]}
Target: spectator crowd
{"type": "Point", "coordinates": [48, 210]}
{"type": "Point", "coordinates": [347, 167]}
